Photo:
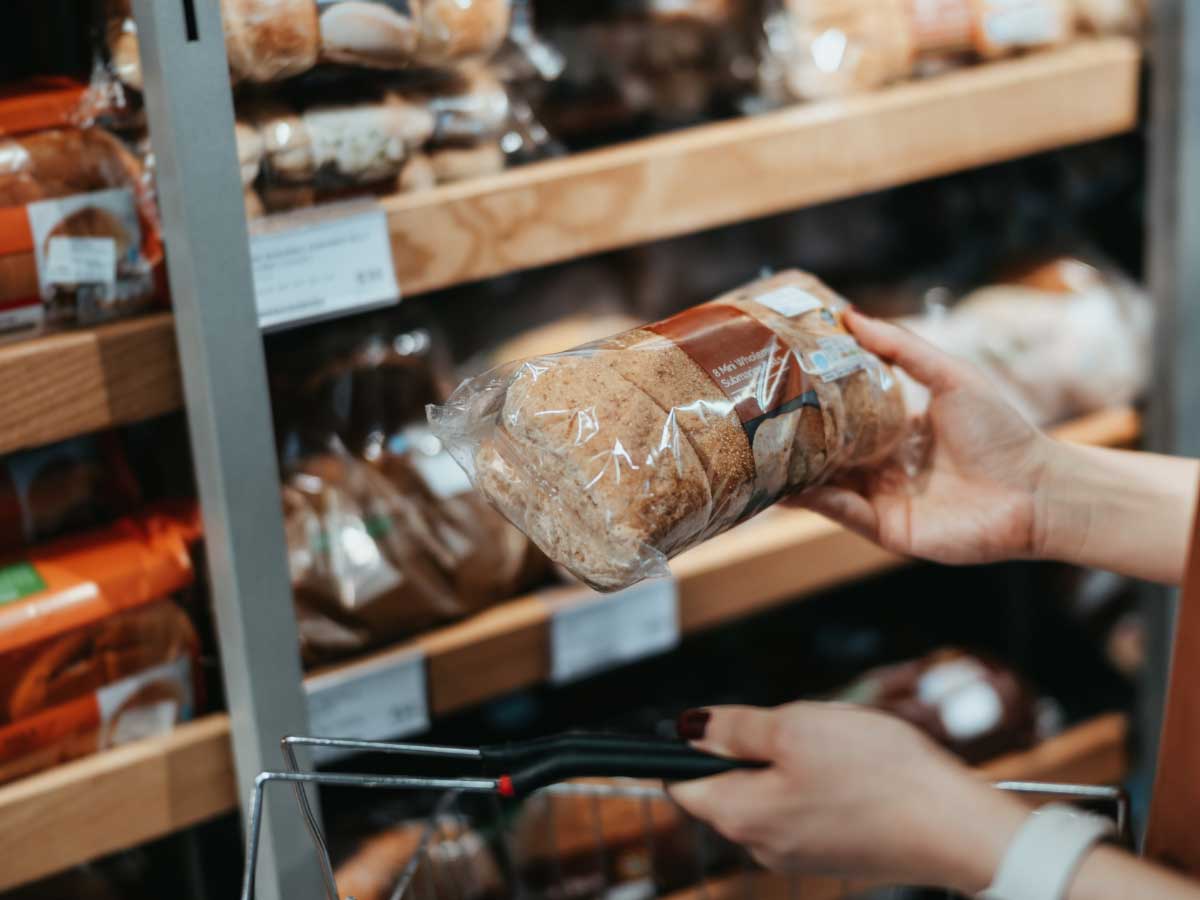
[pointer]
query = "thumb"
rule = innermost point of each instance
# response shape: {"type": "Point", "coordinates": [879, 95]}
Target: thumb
{"type": "Point", "coordinates": [737, 732]}
{"type": "Point", "coordinates": [916, 356]}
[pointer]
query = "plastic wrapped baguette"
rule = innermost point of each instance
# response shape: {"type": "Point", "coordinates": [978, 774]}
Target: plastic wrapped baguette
{"type": "Point", "coordinates": [620, 454]}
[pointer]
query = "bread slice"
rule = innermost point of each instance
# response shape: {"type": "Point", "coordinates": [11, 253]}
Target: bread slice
{"type": "Point", "coordinates": [700, 409]}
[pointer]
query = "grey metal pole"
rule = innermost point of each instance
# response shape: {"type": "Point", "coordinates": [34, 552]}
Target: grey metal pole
{"type": "Point", "coordinates": [190, 109]}
{"type": "Point", "coordinates": [1173, 269]}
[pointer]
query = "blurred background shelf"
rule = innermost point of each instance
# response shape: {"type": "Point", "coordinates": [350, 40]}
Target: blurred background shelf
{"type": "Point", "coordinates": [115, 800]}
{"type": "Point", "coordinates": [123, 797]}
{"type": "Point", "coordinates": [67, 384]}
{"type": "Point", "coordinates": [647, 190]}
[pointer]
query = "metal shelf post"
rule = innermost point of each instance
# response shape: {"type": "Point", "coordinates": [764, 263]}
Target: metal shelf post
{"type": "Point", "coordinates": [190, 110]}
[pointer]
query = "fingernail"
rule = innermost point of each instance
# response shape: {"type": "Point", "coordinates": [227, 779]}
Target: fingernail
{"type": "Point", "coordinates": [692, 724]}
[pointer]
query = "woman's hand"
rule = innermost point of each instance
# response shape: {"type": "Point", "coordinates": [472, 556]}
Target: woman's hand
{"type": "Point", "coordinates": [976, 500]}
{"type": "Point", "coordinates": [849, 792]}
{"type": "Point", "coordinates": [996, 488]}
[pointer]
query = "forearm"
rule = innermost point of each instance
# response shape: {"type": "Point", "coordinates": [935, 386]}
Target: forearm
{"type": "Point", "coordinates": [1118, 510]}
{"type": "Point", "coordinates": [1111, 874]}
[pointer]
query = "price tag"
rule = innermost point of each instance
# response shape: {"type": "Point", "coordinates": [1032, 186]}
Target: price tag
{"type": "Point", "coordinates": [81, 260]}
{"type": "Point", "coordinates": [376, 700]}
{"type": "Point", "coordinates": [308, 267]}
{"type": "Point", "coordinates": [603, 631]}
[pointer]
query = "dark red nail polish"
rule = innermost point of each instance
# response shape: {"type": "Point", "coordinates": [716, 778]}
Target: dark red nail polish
{"type": "Point", "coordinates": [692, 724]}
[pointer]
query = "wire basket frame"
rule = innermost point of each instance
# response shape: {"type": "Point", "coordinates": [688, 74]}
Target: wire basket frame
{"type": "Point", "coordinates": [440, 869]}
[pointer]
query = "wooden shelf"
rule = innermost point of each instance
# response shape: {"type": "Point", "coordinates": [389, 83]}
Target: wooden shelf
{"type": "Point", "coordinates": [782, 555]}
{"type": "Point", "coordinates": [731, 171]}
{"type": "Point", "coordinates": [68, 384]}
{"type": "Point", "coordinates": [115, 800]}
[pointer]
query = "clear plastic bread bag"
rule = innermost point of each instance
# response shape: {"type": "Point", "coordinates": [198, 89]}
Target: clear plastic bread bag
{"type": "Point", "coordinates": [618, 455]}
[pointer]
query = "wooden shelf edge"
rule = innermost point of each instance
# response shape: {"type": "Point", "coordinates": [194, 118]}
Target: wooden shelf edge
{"type": "Point", "coordinates": [1091, 753]}
{"type": "Point", "coordinates": [76, 382]}
{"type": "Point", "coordinates": [783, 555]}
{"type": "Point", "coordinates": [114, 800]}
{"type": "Point", "coordinates": [645, 190]}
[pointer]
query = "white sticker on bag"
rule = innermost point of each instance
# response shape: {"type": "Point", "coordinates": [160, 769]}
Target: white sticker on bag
{"type": "Point", "coordinates": [1022, 23]}
{"type": "Point", "coordinates": [76, 240]}
{"type": "Point", "coordinates": [603, 631]}
{"type": "Point", "coordinates": [81, 260]}
{"type": "Point", "coordinates": [123, 719]}
{"type": "Point", "coordinates": [838, 357]}
{"type": "Point", "coordinates": [789, 301]}
{"type": "Point", "coordinates": [971, 711]}
{"type": "Point", "coordinates": [375, 700]}
{"type": "Point", "coordinates": [307, 266]}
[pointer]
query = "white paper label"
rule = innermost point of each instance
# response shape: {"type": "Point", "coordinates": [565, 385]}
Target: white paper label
{"type": "Point", "coordinates": [838, 357]}
{"type": "Point", "coordinates": [122, 721]}
{"type": "Point", "coordinates": [376, 700]}
{"type": "Point", "coordinates": [76, 240]}
{"type": "Point", "coordinates": [1023, 23]}
{"type": "Point", "coordinates": [789, 301]}
{"type": "Point", "coordinates": [601, 632]}
{"type": "Point", "coordinates": [306, 268]}
{"type": "Point", "coordinates": [81, 260]}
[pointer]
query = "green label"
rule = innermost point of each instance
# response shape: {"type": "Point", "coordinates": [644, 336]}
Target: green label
{"type": "Point", "coordinates": [19, 580]}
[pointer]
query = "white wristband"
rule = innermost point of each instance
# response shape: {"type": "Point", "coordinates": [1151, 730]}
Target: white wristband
{"type": "Point", "coordinates": [1042, 859]}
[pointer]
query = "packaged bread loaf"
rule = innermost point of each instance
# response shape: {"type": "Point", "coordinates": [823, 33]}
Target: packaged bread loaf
{"type": "Point", "coordinates": [446, 852]}
{"type": "Point", "coordinates": [93, 653]}
{"type": "Point", "coordinates": [79, 239]}
{"type": "Point", "coordinates": [825, 48]}
{"type": "Point", "coordinates": [618, 455]}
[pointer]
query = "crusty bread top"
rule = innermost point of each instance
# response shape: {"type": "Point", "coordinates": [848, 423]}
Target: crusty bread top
{"type": "Point", "coordinates": [268, 40]}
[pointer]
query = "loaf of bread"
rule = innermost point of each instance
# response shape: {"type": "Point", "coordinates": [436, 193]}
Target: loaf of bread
{"type": "Point", "coordinates": [620, 454]}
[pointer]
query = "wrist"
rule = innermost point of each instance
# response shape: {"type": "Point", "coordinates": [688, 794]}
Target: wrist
{"type": "Point", "coordinates": [1062, 506]}
{"type": "Point", "coordinates": [972, 844]}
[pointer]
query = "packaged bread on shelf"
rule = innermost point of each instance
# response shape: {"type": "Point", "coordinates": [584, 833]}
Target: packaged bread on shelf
{"type": "Point", "coordinates": [386, 537]}
{"type": "Point", "coordinates": [1061, 337]}
{"type": "Point", "coordinates": [79, 238]}
{"type": "Point", "coordinates": [816, 49]}
{"type": "Point", "coordinates": [93, 653]}
{"type": "Point", "coordinates": [444, 851]}
{"type": "Point", "coordinates": [974, 706]}
{"type": "Point", "coordinates": [620, 454]}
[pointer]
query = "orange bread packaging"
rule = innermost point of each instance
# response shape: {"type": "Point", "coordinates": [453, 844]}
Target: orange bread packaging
{"type": "Point", "coordinates": [93, 653]}
{"type": "Point", "coordinates": [79, 235]}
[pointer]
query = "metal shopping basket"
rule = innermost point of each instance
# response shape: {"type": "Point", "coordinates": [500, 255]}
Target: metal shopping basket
{"type": "Point", "coordinates": [539, 773]}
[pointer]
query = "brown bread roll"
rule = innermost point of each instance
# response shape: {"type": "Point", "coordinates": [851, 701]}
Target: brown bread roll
{"type": "Point", "coordinates": [268, 40]}
{"type": "Point", "coordinates": [618, 455]}
{"type": "Point", "coordinates": [458, 29]}
{"type": "Point", "coordinates": [368, 33]}
{"type": "Point", "coordinates": [417, 175]}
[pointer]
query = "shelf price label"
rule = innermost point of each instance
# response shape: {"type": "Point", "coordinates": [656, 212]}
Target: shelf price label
{"type": "Point", "coordinates": [603, 631]}
{"type": "Point", "coordinates": [314, 264]}
{"type": "Point", "coordinates": [376, 700]}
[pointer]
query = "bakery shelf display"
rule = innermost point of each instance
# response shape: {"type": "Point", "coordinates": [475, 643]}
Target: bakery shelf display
{"type": "Point", "coordinates": [812, 153]}
{"type": "Point", "coordinates": [74, 382]}
{"type": "Point", "coordinates": [124, 797]}
{"type": "Point", "coordinates": [547, 212]}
